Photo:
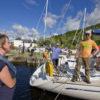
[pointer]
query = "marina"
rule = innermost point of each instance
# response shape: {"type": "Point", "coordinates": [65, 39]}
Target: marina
{"type": "Point", "coordinates": [50, 50]}
{"type": "Point", "coordinates": [24, 91]}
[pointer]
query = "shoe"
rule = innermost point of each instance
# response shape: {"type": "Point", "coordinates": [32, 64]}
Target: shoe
{"type": "Point", "coordinates": [74, 79]}
{"type": "Point", "coordinates": [87, 81]}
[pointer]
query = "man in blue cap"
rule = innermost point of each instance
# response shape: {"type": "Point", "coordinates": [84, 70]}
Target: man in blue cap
{"type": "Point", "coordinates": [56, 51]}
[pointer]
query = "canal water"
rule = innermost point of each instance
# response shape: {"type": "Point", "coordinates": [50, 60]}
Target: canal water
{"type": "Point", "coordinates": [24, 91]}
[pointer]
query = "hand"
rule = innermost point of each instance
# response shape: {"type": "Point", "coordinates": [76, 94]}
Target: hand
{"type": "Point", "coordinates": [76, 56]}
{"type": "Point", "coordinates": [93, 56]}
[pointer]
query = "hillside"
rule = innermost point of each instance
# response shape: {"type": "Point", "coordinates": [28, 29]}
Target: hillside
{"type": "Point", "coordinates": [70, 39]}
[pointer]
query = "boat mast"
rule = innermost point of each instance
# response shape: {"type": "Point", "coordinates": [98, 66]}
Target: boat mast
{"type": "Point", "coordinates": [76, 33]}
{"type": "Point", "coordinates": [45, 18]}
{"type": "Point", "coordinates": [84, 21]}
{"type": "Point", "coordinates": [63, 13]}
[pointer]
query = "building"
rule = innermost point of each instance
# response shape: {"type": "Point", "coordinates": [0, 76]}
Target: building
{"type": "Point", "coordinates": [25, 42]}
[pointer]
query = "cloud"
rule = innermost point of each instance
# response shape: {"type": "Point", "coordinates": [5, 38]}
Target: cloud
{"type": "Point", "coordinates": [94, 16]}
{"type": "Point", "coordinates": [10, 33]}
{"type": "Point", "coordinates": [26, 6]}
{"type": "Point", "coordinates": [95, 1]}
{"type": "Point", "coordinates": [31, 2]}
{"type": "Point", "coordinates": [20, 29]}
{"type": "Point", "coordinates": [25, 32]}
{"type": "Point", "coordinates": [35, 33]}
{"type": "Point", "coordinates": [51, 20]}
{"type": "Point", "coordinates": [72, 23]}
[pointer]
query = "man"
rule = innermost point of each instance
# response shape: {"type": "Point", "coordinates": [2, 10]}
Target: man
{"type": "Point", "coordinates": [56, 51]}
{"type": "Point", "coordinates": [7, 70]}
{"type": "Point", "coordinates": [83, 54]}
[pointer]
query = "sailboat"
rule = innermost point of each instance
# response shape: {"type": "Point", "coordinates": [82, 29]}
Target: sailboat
{"type": "Point", "coordinates": [62, 84]}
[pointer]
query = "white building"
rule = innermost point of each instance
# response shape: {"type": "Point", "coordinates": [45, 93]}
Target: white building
{"type": "Point", "coordinates": [27, 43]}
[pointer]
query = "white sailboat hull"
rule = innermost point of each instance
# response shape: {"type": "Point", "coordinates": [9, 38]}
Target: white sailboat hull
{"type": "Point", "coordinates": [63, 85]}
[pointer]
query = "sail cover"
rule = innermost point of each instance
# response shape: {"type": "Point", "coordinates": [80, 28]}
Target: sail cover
{"type": "Point", "coordinates": [96, 31]}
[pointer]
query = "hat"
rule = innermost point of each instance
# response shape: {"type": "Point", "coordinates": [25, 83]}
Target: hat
{"type": "Point", "coordinates": [57, 44]}
{"type": "Point", "coordinates": [88, 32]}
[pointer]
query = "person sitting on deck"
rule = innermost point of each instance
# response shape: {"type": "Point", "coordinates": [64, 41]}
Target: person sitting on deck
{"type": "Point", "coordinates": [83, 54]}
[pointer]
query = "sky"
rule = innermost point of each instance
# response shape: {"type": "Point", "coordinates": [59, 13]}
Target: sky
{"type": "Point", "coordinates": [27, 18]}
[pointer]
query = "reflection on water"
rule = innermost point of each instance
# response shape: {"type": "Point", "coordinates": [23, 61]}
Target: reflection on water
{"type": "Point", "coordinates": [24, 91]}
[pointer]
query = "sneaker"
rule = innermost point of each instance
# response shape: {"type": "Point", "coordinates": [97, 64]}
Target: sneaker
{"type": "Point", "coordinates": [74, 79]}
{"type": "Point", "coordinates": [87, 81]}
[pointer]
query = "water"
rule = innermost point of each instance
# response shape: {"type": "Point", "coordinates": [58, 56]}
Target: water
{"type": "Point", "coordinates": [39, 94]}
{"type": "Point", "coordinates": [24, 91]}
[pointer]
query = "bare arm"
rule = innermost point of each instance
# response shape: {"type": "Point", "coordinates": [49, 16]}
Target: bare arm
{"type": "Point", "coordinates": [6, 78]}
{"type": "Point", "coordinates": [96, 49]}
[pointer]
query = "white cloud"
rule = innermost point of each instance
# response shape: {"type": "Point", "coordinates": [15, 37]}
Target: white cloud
{"type": "Point", "coordinates": [72, 23]}
{"type": "Point", "coordinates": [95, 1]}
{"type": "Point", "coordinates": [51, 20]}
{"type": "Point", "coordinates": [10, 33]}
{"type": "Point", "coordinates": [31, 2]}
{"type": "Point", "coordinates": [34, 31]}
{"type": "Point", "coordinates": [20, 29]}
{"type": "Point", "coordinates": [17, 30]}
{"type": "Point", "coordinates": [25, 32]}
{"type": "Point", "coordinates": [91, 19]}
{"type": "Point", "coordinates": [94, 16]}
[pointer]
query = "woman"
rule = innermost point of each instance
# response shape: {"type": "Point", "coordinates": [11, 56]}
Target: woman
{"type": "Point", "coordinates": [7, 71]}
{"type": "Point", "coordinates": [46, 55]}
